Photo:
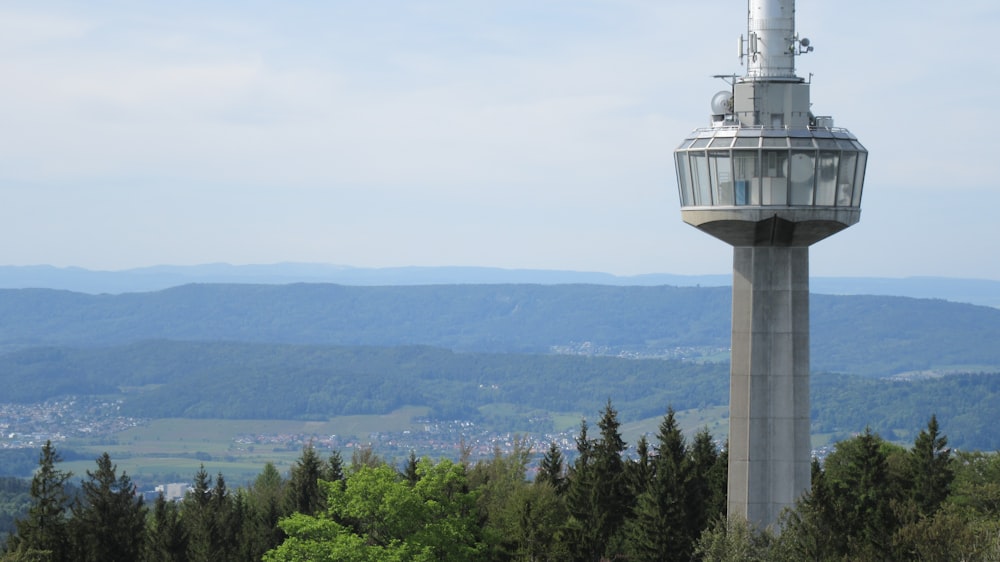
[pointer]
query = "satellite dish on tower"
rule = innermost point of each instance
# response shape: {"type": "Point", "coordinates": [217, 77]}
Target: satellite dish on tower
{"type": "Point", "coordinates": [722, 103]}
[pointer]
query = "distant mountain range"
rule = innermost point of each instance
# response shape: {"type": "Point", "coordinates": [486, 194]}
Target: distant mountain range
{"type": "Point", "coordinates": [974, 291]}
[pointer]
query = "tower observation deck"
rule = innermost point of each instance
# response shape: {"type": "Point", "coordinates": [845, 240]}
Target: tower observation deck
{"type": "Point", "coordinates": [770, 178]}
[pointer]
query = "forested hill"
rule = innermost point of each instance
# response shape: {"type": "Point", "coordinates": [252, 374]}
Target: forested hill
{"type": "Point", "coordinates": [510, 392]}
{"type": "Point", "coordinates": [851, 334]}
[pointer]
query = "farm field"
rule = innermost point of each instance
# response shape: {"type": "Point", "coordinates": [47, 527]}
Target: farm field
{"type": "Point", "coordinates": [174, 449]}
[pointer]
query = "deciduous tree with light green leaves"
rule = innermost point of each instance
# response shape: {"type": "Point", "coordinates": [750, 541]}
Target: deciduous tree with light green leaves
{"type": "Point", "coordinates": [379, 516]}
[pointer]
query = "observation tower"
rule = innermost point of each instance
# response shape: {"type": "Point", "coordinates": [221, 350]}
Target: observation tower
{"type": "Point", "coordinates": [770, 178]}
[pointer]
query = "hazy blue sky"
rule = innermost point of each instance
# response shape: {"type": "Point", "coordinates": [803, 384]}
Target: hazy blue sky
{"type": "Point", "coordinates": [515, 133]}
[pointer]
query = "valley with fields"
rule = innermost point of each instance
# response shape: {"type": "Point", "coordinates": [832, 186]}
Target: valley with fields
{"type": "Point", "coordinates": [233, 375]}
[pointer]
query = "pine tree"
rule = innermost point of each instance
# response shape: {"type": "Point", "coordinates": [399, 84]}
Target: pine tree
{"type": "Point", "coordinates": [410, 472]}
{"type": "Point", "coordinates": [597, 496]}
{"type": "Point", "coordinates": [640, 470]}
{"type": "Point", "coordinates": [198, 520]}
{"type": "Point", "coordinates": [228, 522]}
{"type": "Point", "coordinates": [930, 469]}
{"type": "Point", "coordinates": [807, 530]}
{"type": "Point", "coordinates": [108, 523]}
{"type": "Point", "coordinates": [703, 495]}
{"type": "Point", "coordinates": [303, 493]}
{"type": "Point", "coordinates": [613, 497]}
{"type": "Point", "coordinates": [857, 497]}
{"type": "Point", "coordinates": [334, 469]}
{"type": "Point", "coordinates": [44, 528]}
{"type": "Point", "coordinates": [201, 493]}
{"type": "Point", "coordinates": [719, 483]}
{"type": "Point", "coordinates": [265, 508]}
{"type": "Point", "coordinates": [660, 529]}
{"type": "Point", "coordinates": [578, 536]}
{"type": "Point", "coordinates": [167, 540]}
{"type": "Point", "coordinates": [551, 469]}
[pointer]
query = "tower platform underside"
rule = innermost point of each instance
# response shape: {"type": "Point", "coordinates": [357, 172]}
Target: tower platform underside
{"type": "Point", "coordinates": [743, 226]}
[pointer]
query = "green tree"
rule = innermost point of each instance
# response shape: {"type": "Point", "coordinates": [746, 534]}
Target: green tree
{"type": "Point", "coordinates": [551, 469]}
{"type": "Point", "coordinates": [577, 537]}
{"type": "Point", "coordinates": [661, 528]}
{"type": "Point", "coordinates": [976, 486]}
{"type": "Point", "coordinates": [410, 471]}
{"type": "Point", "coordinates": [44, 528]}
{"type": "Point", "coordinates": [26, 555]}
{"type": "Point", "coordinates": [109, 521]}
{"type": "Point", "coordinates": [334, 469]}
{"type": "Point", "coordinates": [531, 519]}
{"type": "Point", "coordinates": [365, 457]}
{"type": "Point", "coordinates": [613, 497]}
{"type": "Point", "coordinates": [168, 541]}
{"type": "Point", "coordinates": [303, 492]}
{"type": "Point", "coordinates": [930, 469]}
{"type": "Point", "coordinates": [640, 470]}
{"type": "Point", "coordinates": [228, 512]}
{"type": "Point", "coordinates": [377, 516]}
{"type": "Point", "coordinates": [737, 541]}
{"type": "Point", "coordinates": [498, 483]}
{"type": "Point", "coordinates": [808, 529]}
{"type": "Point", "coordinates": [706, 484]}
{"type": "Point", "coordinates": [200, 523]}
{"type": "Point", "coordinates": [946, 534]}
{"type": "Point", "coordinates": [854, 499]}
{"type": "Point", "coordinates": [265, 499]}
{"type": "Point", "coordinates": [598, 498]}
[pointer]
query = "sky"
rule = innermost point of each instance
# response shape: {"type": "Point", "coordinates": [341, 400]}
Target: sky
{"type": "Point", "coordinates": [530, 134]}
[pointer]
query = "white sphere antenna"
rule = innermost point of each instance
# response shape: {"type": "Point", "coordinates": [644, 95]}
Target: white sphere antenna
{"type": "Point", "coordinates": [722, 103]}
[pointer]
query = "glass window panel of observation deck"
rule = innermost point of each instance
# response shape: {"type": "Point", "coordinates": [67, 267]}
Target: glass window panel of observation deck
{"type": "Point", "coordinates": [859, 179]}
{"type": "Point", "coordinates": [699, 179]}
{"type": "Point", "coordinates": [826, 178]}
{"type": "Point", "coordinates": [746, 182]}
{"type": "Point", "coordinates": [803, 177]}
{"type": "Point", "coordinates": [722, 177]}
{"type": "Point", "coordinates": [774, 177]}
{"type": "Point", "coordinates": [684, 179]}
{"type": "Point", "coordinates": [845, 178]}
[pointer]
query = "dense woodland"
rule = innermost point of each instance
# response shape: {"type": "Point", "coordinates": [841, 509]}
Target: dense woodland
{"type": "Point", "coordinates": [658, 501]}
{"type": "Point", "coordinates": [269, 381]}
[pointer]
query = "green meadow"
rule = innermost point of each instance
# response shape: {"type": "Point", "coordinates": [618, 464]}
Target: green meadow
{"type": "Point", "coordinates": [173, 449]}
